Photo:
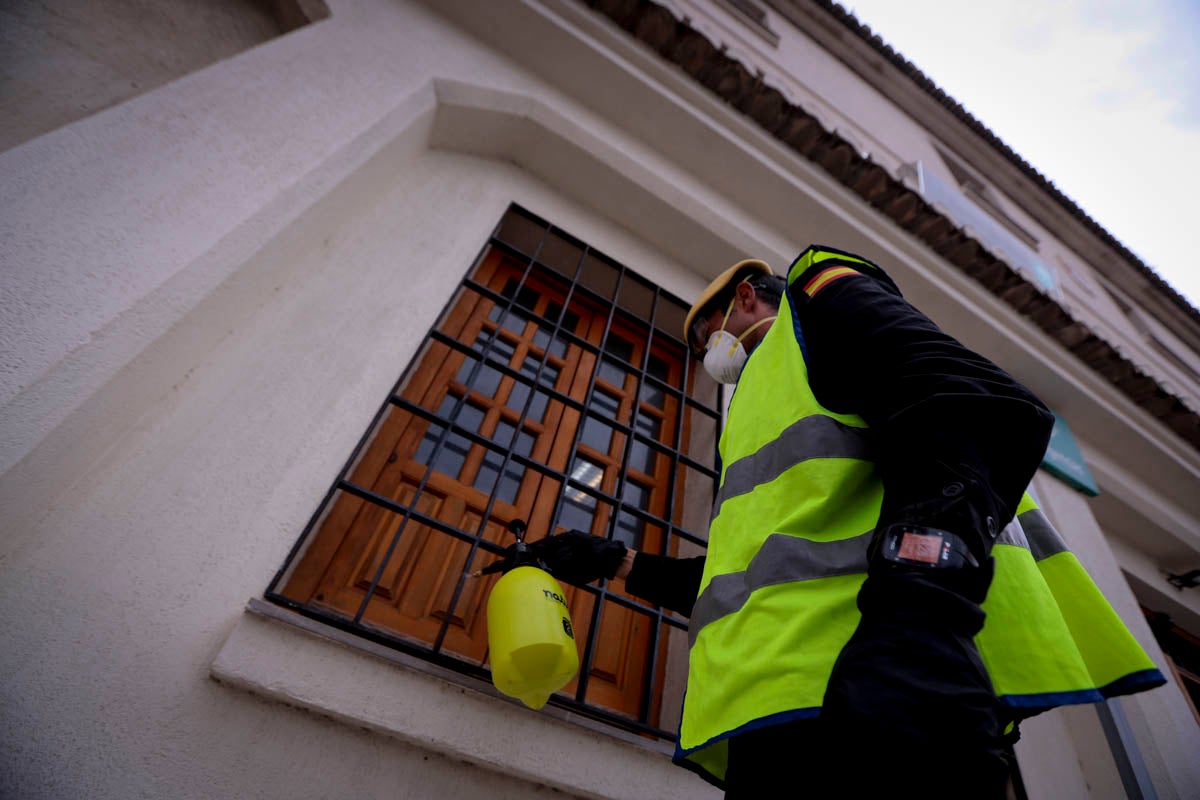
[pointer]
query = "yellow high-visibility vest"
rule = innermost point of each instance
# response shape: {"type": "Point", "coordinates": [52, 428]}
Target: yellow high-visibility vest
{"type": "Point", "coordinates": [797, 504]}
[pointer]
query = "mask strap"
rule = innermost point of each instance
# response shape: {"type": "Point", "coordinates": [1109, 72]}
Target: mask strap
{"type": "Point", "coordinates": [728, 311]}
{"type": "Point", "coordinates": [751, 329]}
{"type": "Point", "coordinates": [746, 332]}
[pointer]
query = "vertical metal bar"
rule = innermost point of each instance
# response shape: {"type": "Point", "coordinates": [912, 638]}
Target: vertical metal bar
{"type": "Point", "coordinates": [601, 591]}
{"type": "Point", "coordinates": [672, 478]}
{"type": "Point", "coordinates": [676, 449]}
{"type": "Point", "coordinates": [656, 618]}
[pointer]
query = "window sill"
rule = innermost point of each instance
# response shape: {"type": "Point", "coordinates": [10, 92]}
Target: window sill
{"type": "Point", "coordinates": [277, 654]}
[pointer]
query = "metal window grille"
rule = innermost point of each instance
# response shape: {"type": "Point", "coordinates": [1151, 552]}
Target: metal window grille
{"type": "Point", "coordinates": [624, 302]}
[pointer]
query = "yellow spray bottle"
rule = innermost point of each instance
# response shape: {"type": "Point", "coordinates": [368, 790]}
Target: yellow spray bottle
{"type": "Point", "coordinates": [531, 643]}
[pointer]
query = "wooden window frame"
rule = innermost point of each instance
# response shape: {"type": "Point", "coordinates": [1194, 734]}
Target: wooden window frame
{"type": "Point", "coordinates": [590, 347]}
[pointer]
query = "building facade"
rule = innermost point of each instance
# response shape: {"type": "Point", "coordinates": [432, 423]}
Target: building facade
{"type": "Point", "coordinates": [296, 319]}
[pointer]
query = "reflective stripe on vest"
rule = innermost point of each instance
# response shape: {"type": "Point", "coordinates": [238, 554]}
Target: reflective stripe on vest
{"type": "Point", "coordinates": [1043, 540]}
{"type": "Point", "coordinates": [781, 559]}
{"type": "Point", "coordinates": [817, 436]}
{"type": "Point", "coordinates": [790, 558]}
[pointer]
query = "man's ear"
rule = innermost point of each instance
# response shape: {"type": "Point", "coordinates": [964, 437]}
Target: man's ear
{"type": "Point", "coordinates": [745, 296]}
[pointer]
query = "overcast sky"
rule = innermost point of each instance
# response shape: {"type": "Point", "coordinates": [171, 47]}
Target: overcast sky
{"type": "Point", "coordinates": [1100, 96]}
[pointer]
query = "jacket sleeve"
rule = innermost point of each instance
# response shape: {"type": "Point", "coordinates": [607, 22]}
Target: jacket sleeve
{"type": "Point", "coordinates": [924, 394]}
{"type": "Point", "coordinates": [672, 583]}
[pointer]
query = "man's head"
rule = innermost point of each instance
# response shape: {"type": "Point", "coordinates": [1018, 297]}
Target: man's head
{"type": "Point", "coordinates": [742, 296]}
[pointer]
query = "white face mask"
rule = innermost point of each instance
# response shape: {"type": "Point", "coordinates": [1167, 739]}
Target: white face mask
{"type": "Point", "coordinates": [725, 357]}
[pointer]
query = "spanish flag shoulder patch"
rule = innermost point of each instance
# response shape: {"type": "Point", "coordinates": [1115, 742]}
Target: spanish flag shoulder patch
{"type": "Point", "coordinates": [826, 277]}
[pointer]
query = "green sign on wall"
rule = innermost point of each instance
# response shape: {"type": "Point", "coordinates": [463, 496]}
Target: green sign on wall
{"type": "Point", "coordinates": [1064, 459]}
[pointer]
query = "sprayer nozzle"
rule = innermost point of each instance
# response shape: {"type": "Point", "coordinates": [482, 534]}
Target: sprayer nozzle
{"type": "Point", "coordinates": [517, 528]}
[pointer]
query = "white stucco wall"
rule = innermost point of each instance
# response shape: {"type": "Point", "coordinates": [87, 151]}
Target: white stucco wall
{"type": "Point", "coordinates": [207, 292]}
{"type": "Point", "coordinates": [61, 60]}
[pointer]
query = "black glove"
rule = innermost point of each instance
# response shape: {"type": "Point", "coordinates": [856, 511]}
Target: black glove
{"type": "Point", "coordinates": [578, 558]}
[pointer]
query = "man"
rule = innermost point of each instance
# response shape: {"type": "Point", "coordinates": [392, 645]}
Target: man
{"type": "Point", "coordinates": [861, 439]}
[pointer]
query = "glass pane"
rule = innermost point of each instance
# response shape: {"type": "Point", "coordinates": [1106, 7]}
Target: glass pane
{"type": "Point", "coordinates": [579, 507]}
{"type": "Point", "coordinates": [541, 337]}
{"type": "Point", "coordinates": [469, 417]}
{"type": "Point", "coordinates": [596, 434]}
{"type": "Point", "coordinates": [648, 425]}
{"type": "Point", "coordinates": [514, 319]}
{"type": "Point", "coordinates": [517, 398]}
{"type": "Point", "coordinates": [652, 394]}
{"type": "Point", "coordinates": [494, 346]}
{"type": "Point", "coordinates": [546, 324]}
{"type": "Point", "coordinates": [449, 458]}
{"type": "Point", "coordinates": [485, 480]}
{"type": "Point", "coordinates": [503, 434]}
{"type": "Point", "coordinates": [486, 380]}
{"type": "Point", "coordinates": [434, 431]}
{"type": "Point", "coordinates": [501, 350]}
{"type": "Point", "coordinates": [526, 298]}
{"type": "Point", "coordinates": [619, 347]}
{"type": "Point", "coordinates": [537, 408]}
{"type": "Point", "coordinates": [605, 403]}
{"type": "Point", "coordinates": [643, 458]}
{"type": "Point", "coordinates": [576, 515]}
{"type": "Point", "coordinates": [510, 482]}
{"type": "Point", "coordinates": [658, 368]}
{"type": "Point", "coordinates": [612, 373]}
{"type": "Point", "coordinates": [524, 444]}
{"type": "Point", "coordinates": [548, 376]}
{"type": "Point", "coordinates": [630, 529]}
{"type": "Point", "coordinates": [425, 449]}
{"type": "Point", "coordinates": [520, 391]}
